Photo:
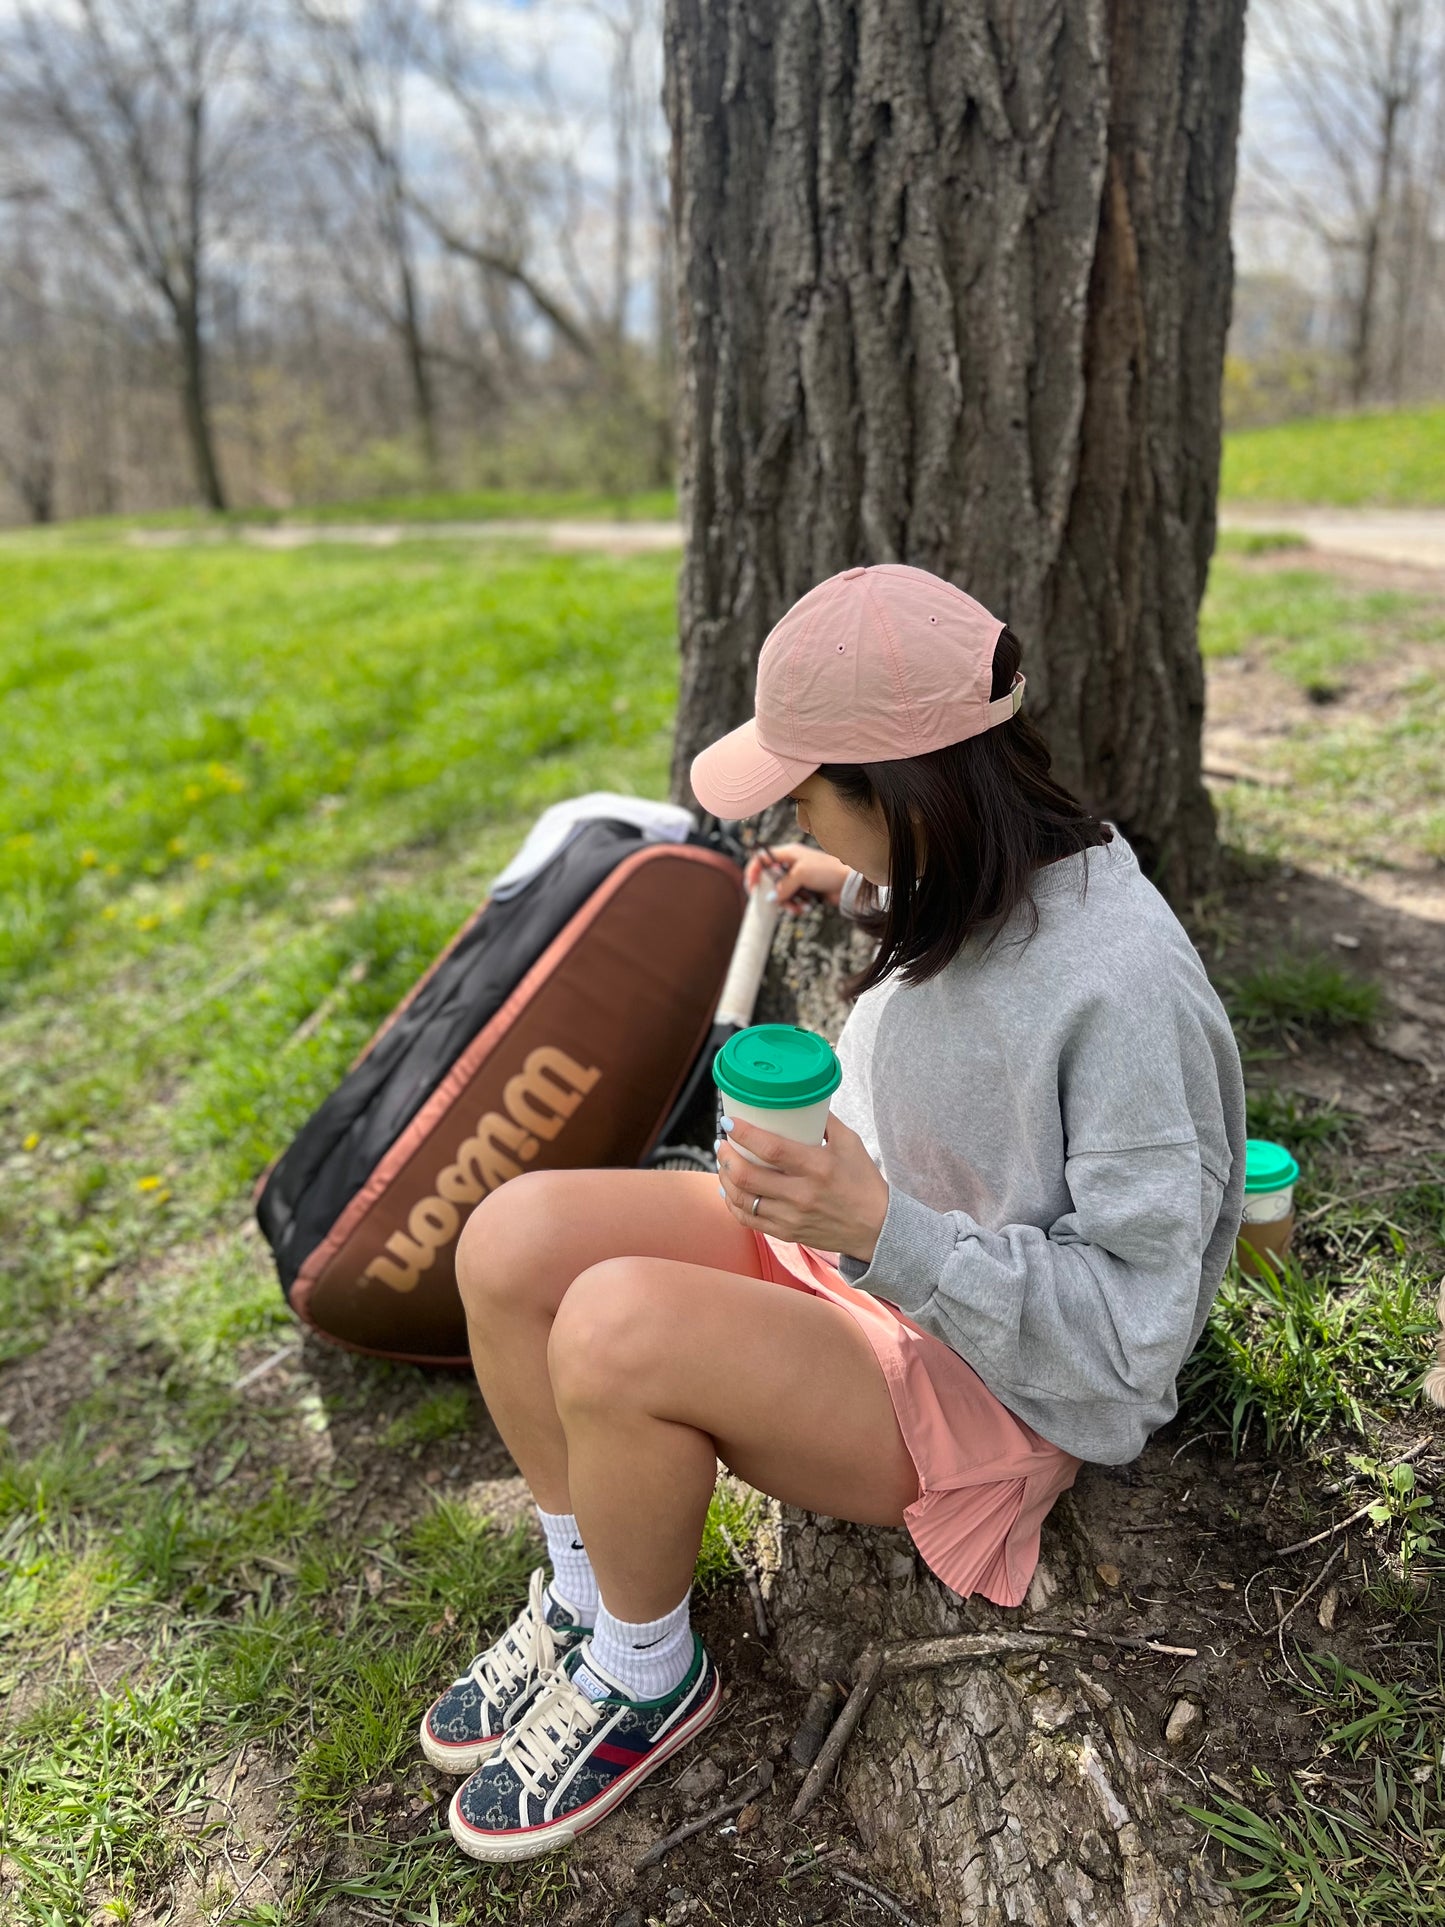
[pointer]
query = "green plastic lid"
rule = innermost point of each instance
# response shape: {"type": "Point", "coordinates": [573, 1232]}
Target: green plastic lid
{"type": "Point", "coordinates": [777, 1066]}
{"type": "Point", "coordinates": [1267, 1167]}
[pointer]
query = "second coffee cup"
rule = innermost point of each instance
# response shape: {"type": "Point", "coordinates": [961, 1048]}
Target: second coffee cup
{"type": "Point", "coordinates": [779, 1077]}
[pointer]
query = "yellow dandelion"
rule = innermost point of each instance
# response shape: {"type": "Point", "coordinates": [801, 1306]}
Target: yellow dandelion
{"type": "Point", "coordinates": [176, 845]}
{"type": "Point", "coordinates": [112, 869]}
{"type": "Point", "coordinates": [88, 859]}
{"type": "Point", "coordinates": [149, 1184]}
{"type": "Point", "coordinates": [149, 922]}
{"type": "Point", "coordinates": [193, 792]}
{"type": "Point", "coordinates": [31, 1142]}
{"type": "Point", "coordinates": [204, 860]}
{"type": "Point", "coordinates": [110, 912]}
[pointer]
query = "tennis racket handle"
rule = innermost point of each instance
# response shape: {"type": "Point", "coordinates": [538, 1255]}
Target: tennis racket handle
{"type": "Point", "coordinates": [749, 959]}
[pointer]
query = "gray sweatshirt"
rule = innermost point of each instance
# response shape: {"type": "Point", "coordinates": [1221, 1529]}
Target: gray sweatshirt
{"type": "Point", "coordinates": [1061, 1124]}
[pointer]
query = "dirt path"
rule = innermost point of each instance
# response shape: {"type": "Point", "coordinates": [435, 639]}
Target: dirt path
{"type": "Point", "coordinates": [609, 538]}
{"type": "Point", "coordinates": [1413, 536]}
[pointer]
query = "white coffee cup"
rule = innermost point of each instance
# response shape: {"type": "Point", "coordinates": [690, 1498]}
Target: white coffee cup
{"type": "Point", "coordinates": [780, 1078]}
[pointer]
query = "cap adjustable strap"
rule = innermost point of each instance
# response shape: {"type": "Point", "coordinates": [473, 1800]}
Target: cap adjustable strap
{"type": "Point", "coordinates": [1009, 705]}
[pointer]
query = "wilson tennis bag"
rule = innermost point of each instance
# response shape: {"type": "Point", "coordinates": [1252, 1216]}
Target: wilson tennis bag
{"type": "Point", "coordinates": [566, 1025]}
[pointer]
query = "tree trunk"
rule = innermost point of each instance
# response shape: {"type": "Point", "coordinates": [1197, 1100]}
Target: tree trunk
{"type": "Point", "coordinates": [195, 404]}
{"type": "Point", "coordinates": [953, 286]}
{"type": "Point", "coordinates": [1018, 1788]}
{"type": "Point", "coordinates": [1003, 1789]}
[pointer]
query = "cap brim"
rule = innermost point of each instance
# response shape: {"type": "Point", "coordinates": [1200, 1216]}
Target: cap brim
{"type": "Point", "coordinates": [736, 776]}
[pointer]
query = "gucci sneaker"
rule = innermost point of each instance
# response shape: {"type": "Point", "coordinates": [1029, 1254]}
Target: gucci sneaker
{"type": "Point", "coordinates": [575, 1751]}
{"type": "Point", "coordinates": [466, 1723]}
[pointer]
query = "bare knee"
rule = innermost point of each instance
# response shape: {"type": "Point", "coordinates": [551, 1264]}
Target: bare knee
{"type": "Point", "coordinates": [602, 1347]}
{"type": "Point", "coordinates": [497, 1252]}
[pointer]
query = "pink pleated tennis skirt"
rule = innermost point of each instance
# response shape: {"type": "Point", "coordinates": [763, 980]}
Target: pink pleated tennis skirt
{"type": "Point", "coordinates": [986, 1481]}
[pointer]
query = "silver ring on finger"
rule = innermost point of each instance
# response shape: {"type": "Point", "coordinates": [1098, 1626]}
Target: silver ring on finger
{"type": "Point", "coordinates": [756, 1202]}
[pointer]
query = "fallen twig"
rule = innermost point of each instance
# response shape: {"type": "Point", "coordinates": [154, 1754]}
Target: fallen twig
{"type": "Point", "coordinates": [749, 1573]}
{"type": "Point", "coordinates": [1142, 1642]}
{"type": "Point", "coordinates": [885, 1900]}
{"type": "Point", "coordinates": [266, 1365]}
{"type": "Point", "coordinates": [309, 1026]}
{"type": "Point", "coordinates": [1303, 1545]}
{"type": "Point", "coordinates": [865, 1679]}
{"type": "Point", "coordinates": [760, 1781]}
{"type": "Point", "coordinates": [1231, 772]}
{"type": "Point", "coordinates": [917, 1655]}
{"type": "Point", "coordinates": [1163, 1525]}
{"type": "Point", "coordinates": [250, 1881]}
{"type": "Point", "coordinates": [1313, 1586]}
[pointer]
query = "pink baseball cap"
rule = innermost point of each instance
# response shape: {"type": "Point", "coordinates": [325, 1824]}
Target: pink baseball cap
{"type": "Point", "coordinates": [870, 666]}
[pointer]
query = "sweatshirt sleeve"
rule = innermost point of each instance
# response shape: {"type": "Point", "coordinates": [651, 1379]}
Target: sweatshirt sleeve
{"type": "Point", "coordinates": [1099, 1306]}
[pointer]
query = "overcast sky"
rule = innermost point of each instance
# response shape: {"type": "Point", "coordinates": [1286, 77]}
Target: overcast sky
{"type": "Point", "coordinates": [576, 45]}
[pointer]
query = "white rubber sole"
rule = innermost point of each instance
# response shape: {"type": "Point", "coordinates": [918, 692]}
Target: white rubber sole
{"type": "Point", "coordinates": [561, 1833]}
{"type": "Point", "coordinates": [456, 1759]}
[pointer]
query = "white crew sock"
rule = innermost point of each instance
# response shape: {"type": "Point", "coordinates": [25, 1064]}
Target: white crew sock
{"type": "Point", "coordinates": [649, 1658]}
{"type": "Point", "coordinates": [573, 1583]}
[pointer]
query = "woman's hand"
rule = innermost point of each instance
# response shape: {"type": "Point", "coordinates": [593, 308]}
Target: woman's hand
{"type": "Point", "coordinates": [804, 869]}
{"type": "Point", "coordinates": [831, 1195]}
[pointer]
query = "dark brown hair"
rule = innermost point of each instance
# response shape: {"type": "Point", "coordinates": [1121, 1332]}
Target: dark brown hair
{"type": "Point", "coordinates": [991, 815]}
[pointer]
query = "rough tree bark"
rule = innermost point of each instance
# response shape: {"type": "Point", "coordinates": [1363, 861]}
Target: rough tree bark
{"type": "Point", "coordinates": [953, 285]}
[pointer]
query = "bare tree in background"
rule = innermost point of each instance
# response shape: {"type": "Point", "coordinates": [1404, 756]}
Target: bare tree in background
{"type": "Point", "coordinates": [1365, 81]}
{"type": "Point", "coordinates": [127, 115]}
{"type": "Point", "coordinates": [28, 424]}
{"type": "Point", "coordinates": [352, 105]}
{"type": "Point", "coordinates": [624, 22]}
{"type": "Point", "coordinates": [491, 222]}
{"type": "Point", "coordinates": [333, 229]}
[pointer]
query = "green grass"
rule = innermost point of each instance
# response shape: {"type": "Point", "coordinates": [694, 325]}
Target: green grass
{"type": "Point", "coordinates": [1299, 1124]}
{"type": "Point", "coordinates": [460, 505]}
{"type": "Point", "coordinates": [1308, 1347]}
{"type": "Point", "coordinates": [1387, 460]}
{"type": "Point", "coordinates": [1304, 991]}
{"type": "Point", "coordinates": [248, 797]}
{"type": "Point", "coordinates": [1363, 1844]}
{"type": "Point", "coordinates": [1358, 786]}
{"type": "Point", "coordinates": [1257, 542]}
{"type": "Point", "coordinates": [1306, 625]}
{"type": "Point", "coordinates": [317, 706]}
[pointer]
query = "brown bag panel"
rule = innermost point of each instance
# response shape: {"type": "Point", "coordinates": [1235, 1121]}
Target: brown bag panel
{"type": "Point", "coordinates": [578, 1069]}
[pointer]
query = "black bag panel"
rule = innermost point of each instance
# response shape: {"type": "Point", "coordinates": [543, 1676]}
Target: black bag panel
{"type": "Point", "coordinates": [331, 1157]}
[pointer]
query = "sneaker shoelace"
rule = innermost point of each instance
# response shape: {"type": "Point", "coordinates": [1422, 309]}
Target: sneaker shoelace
{"type": "Point", "coordinates": [527, 1648]}
{"type": "Point", "coordinates": [542, 1741]}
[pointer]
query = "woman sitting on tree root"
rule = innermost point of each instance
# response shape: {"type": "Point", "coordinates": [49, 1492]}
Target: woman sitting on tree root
{"type": "Point", "coordinates": [991, 1269]}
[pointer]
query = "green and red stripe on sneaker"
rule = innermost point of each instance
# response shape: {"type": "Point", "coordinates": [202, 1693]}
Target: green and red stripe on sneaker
{"type": "Point", "coordinates": [576, 1750]}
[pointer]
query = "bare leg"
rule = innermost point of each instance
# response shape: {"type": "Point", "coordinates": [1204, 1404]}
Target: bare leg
{"type": "Point", "coordinates": [661, 1367]}
{"type": "Point", "coordinates": [518, 1255]}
